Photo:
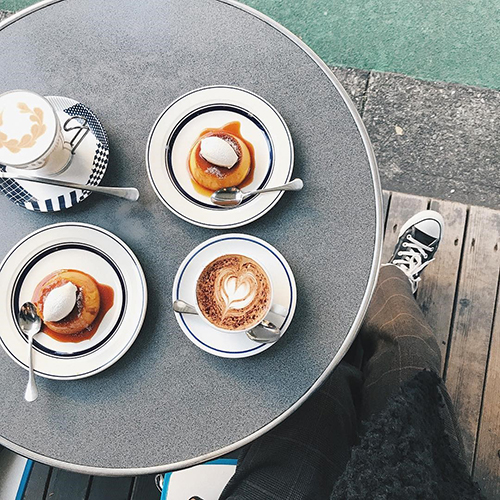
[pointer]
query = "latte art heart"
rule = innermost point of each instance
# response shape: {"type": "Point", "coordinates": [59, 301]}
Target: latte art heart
{"type": "Point", "coordinates": [233, 292]}
{"type": "Point", "coordinates": [236, 291]}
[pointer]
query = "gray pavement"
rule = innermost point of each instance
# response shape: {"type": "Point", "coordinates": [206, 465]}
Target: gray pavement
{"type": "Point", "coordinates": [430, 138]}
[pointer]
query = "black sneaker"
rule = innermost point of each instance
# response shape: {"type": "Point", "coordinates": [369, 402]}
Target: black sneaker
{"type": "Point", "coordinates": [418, 242]}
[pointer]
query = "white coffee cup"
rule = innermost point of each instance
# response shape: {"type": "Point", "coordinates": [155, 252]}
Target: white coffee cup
{"type": "Point", "coordinates": [31, 134]}
{"type": "Point", "coordinates": [277, 309]}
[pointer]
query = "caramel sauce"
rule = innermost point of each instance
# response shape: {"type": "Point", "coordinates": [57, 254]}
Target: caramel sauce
{"type": "Point", "coordinates": [232, 128]}
{"type": "Point", "coordinates": [107, 296]}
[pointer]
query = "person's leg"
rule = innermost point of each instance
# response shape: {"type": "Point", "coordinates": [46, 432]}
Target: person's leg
{"type": "Point", "coordinates": [302, 457]}
{"type": "Point", "coordinates": [398, 341]}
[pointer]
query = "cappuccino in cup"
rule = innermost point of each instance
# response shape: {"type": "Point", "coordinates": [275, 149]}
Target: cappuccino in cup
{"type": "Point", "coordinates": [234, 293]}
{"type": "Point", "coordinates": [31, 135]}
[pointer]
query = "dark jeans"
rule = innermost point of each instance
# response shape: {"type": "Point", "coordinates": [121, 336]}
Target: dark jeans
{"type": "Point", "coordinates": [303, 457]}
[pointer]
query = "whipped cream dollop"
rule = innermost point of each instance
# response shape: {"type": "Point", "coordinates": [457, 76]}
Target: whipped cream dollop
{"type": "Point", "coordinates": [218, 152]}
{"type": "Point", "coordinates": [59, 302]}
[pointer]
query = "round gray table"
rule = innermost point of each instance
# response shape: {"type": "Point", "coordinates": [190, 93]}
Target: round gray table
{"type": "Point", "coordinates": [166, 404]}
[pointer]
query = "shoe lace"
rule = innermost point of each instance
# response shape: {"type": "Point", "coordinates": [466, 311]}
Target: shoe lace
{"type": "Point", "coordinates": [413, 260]}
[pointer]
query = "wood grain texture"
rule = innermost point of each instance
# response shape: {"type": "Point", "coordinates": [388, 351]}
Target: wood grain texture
{"type": "Point", "coordinates": [110, 488]}
{"type": "Point", "coordinates": [487, 462]}
{"type": "Point", "coordinates": [472, 324]}
{"type": "Point", "coordinates": [386, 200]}
{"type": "Point", "coordinates": [37, 482]}
{"type": "Point", "coordinates": [144, 488]}
{"type": "Point", "coordinates": [66, 485]}
{"type": "Point", "coordinates": [436, 292]}
{"type": "Point", "coordinates": [401, 208]}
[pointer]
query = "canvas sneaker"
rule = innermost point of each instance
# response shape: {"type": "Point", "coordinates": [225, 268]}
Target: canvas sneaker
{"type": "Point", "coordinates": [418, 242]}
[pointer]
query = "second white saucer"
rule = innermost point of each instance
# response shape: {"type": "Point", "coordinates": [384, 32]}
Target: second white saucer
{"type": "Point", "coordinates": [233, 345]}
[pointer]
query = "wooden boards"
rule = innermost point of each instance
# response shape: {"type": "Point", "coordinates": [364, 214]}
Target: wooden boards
{"type": "Point", "coordinates": [459, 296]}
{"type": "Point", "coordinates": [436, 293]}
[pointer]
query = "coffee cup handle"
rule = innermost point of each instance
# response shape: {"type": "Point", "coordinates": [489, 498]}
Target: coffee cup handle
{"type": "Point", "coordinates": [82, 129]}
{"type": "Point", "coordinates": [279, 310]}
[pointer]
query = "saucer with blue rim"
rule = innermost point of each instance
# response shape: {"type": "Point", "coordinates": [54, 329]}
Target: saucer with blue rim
{"type": "Point", "coordinates": [88, 165]}
{"type": "Point", "coordinates": [89, 249]}
{"type": "Point", "coordinates": [235, 344]}
{"type": "Point", "coordinates": [178, 128]}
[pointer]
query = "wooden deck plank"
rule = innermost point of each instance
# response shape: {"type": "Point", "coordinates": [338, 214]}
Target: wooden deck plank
{"type": "Point", "coordinates": [145, 488]}
{"type": "Point", "coordinates": [436, 292]}
{"type": "Point", "coordinates": [401, 208]}
{"type": "Point", "coordinates": [472, 324]}
{"type": "Point", "coordinates": [37, 482]}
{"type": "Point", "coordinates": [386, 199]}
{"type": "Point", "coordinates": [110, 488]}
{"type": "Point", "coordinates": [65, 485]}
{"type": "Point", "coordinates": [487, 461]}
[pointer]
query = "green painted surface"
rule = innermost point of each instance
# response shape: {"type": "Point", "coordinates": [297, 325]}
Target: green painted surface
{"type": "Point", "coordinates": [447, 40]}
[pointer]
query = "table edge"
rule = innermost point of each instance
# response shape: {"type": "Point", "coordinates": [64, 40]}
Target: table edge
{"type": "Point", "coordinates": [372, 280]}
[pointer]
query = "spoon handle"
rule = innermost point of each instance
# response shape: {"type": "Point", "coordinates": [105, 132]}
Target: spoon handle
{"type": "Point", "coordinates": [183, 307]}
{"type": "Point", "coordinates": [295, 185]}
{"type": "Point", "coordinates": [31, 392]}
{"type": "Point", "coordinates": [131, 194]}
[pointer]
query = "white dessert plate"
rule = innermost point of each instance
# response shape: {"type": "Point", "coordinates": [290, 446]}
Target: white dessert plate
{"type": "Point", "coordinates": [88, 166]}
{"type": "Point", "coordinates": [86, 248]}
{"type": "Point", "coordinates": [233, 345]}
{"type": "Point", "coordinates": [177, 130]}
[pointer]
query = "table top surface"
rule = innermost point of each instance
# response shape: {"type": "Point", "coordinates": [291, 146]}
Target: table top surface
{"type": "Point", "coordinates": [166, 404]}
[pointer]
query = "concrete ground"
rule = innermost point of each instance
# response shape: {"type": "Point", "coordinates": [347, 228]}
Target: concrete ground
{"type": "Point", "coordinates": [430, 138]}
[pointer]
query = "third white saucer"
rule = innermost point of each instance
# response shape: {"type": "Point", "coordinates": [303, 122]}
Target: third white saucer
{"type": "Point", "coordinates": [233, 345]}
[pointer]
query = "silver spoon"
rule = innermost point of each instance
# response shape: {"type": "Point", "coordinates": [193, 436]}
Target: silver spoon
{"type": "Point", "coordinates": [265, 332]}
{"type": "Point", "coordinates": [233, 196]}
{"type": "Point", "coordinates": [30, 324]}
{"type": "Point", "coordinates": [131, 194]}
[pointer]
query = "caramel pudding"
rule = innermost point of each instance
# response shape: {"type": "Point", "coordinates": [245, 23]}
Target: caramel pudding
{"type": "Point", "coordinates": [72, 304]}
{"type": "Point", "coordinates": [221, 158]}
{"type": "Point", "coordinates": [233, 292]}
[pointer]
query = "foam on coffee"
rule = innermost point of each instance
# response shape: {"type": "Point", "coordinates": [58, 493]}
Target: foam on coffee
{"type": "Point", "coordinates": [233, 292]}
{"type": "Point", "coordinates": [28, 124]}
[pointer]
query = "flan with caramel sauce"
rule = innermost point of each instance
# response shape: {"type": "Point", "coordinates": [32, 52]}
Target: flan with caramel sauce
{"type": "Point", "coordinates": [208, 177]}
{"type": "Point", "coordinates": [93, 301]}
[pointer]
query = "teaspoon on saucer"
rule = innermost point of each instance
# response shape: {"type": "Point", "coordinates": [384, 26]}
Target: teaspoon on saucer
{"type": "Point", "coordinates": [233, 196]}
{"type": "Point", "coordinates": [30, 324]}
{"type": "Point", "coordinates": [131, 194]}
{"type": "Point", "coordinates": [265, 332]}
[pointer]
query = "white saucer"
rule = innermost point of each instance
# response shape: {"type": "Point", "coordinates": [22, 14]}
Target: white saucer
{"type": "Point", "coordinates": [87, 167]}
{"type": "Point", "coordinates": [176, 131]}
{"type": "Point", "coordinates": [233, 345]}
{"type": "Point", "coordinates": [94, 251]}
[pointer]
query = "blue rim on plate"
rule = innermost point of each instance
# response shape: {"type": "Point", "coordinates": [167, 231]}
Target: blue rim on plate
{"type": "Point", "coordinates": [109, 257]}
{"type": "Point", "coordinates": [206, 109]}
{"type": "Point", "coordinates": [29, 265]}
{"type": "Point", "coordinates": [178, 127]}
{"type": "Point", "coordinates": [277, 260]}
{"type": "Point", "coordinates": [96, 162]}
